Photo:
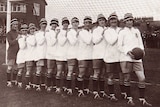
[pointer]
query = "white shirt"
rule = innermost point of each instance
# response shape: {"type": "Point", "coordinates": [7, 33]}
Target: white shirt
{"type": "Point", "coordinates": [31, 47]}
{"type": "Point", "coordinates": [73, 44]}
{"type": "Point", "coordinates": [62, 46]}
{"type": "Point", "coordinates": [99, 43]}
{"type": "Point", "coordinates": [129, 39]}
{"type": "Point", "coordinates": [85, 45]}
{"type": "Point", "coordinates": [112, 53]}
{"type": "Point", "coordinates": [51, 40]}
{"type": "Point", "coordinates": [41, 45]}
{"type": "Point", "coordinates": [22, 50]}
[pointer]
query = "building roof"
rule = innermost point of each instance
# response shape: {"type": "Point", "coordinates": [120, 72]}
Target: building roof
{"type": "Point", "coordinates": [20, 1]}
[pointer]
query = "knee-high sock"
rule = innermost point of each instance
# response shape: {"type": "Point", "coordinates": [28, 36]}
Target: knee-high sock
{"type": "Point", "coordinates": [95, 85]}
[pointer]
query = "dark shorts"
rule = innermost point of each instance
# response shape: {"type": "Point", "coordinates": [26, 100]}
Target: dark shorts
{"type": "Point", "coordinates": [11, 62]}
{"type": "Point", "coordinates": [113, 67]}
{"type": "Point", "coordinates": [21, 65]}
{"type": "Point", "coordinates": [29, 63]}
{"type": "Point", "coordinates": [61, 62]}
{"type": "Point", "coordinates": [84, 63]}
{"type": "Point", "coordinates": [98, 63]}
{"type": "Point", "coordinates": [128, 67]}
{"type": "Point", "coordinates": [51, 64]}
{"type": "Point", "coordinates": [40, 62]}
{"type": "Point", "coordinates": [72, 62]}
{"type": "Point", "coordinates": [135, 66]}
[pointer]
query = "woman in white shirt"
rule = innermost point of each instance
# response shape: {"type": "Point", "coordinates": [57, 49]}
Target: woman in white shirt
{"type": "Point", "coordinates": [41, 50]}
{"type": "Point", "coordinates": [61, 54]}
{"type": "Point", "coordinates": [51, 39]}
{"type": "Point", "coordinates": [84, 56]}
{"type": "Point", "coordinates": [112, 53]}
{"type": "Point", "coordinates": [72, 61]}
{"type": "Point", "coordinates": [130, 38]}
{"type": "Point", "coordinates": [21, 53]}
{"type": "Point", "coordinates": [97, 56]}
{"type": "Point", "coordinates": [30, 55]}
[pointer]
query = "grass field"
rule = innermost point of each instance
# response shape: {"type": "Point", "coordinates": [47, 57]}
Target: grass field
{"type": "Point", "coordinates": [14, 97]}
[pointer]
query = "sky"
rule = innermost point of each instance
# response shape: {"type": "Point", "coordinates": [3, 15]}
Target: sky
{"type": "Point", "coordinates": [81, 8]}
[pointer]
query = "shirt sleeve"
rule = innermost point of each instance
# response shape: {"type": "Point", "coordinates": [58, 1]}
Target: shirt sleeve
{"type": "Point", "coordinates": [85, 38]}
{"type": "Point", "coordinates": [22, 43]}
{"type": "Point", "coordinates": [110, 38]}
{"type": "Point", "coordinates": [140, 40]}
{"type": "Point", "coordinates": [40, 39]}
{"type": "Point", "coordinates": [71, 38]}
{"type": "Point", "coordinates": [120, 41]}
{"type": "Point", "coordinates": [121, 47]}
{"type": "Point", "coordinates": [31, 41]}
{"type": "Point", "coordinates": [51, 39]}
{"type": "Point", "coordinates": [62, 39]}
{"type": "Point", "coordinates": [97, 37]}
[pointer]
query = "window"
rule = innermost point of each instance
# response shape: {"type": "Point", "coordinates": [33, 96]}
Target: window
{"type": "Point", "coordinates": [19, 8]}
{"type": "Point", "coordinates": [36, 9]}
{"type": "Point", "coordinates": [3, 7]}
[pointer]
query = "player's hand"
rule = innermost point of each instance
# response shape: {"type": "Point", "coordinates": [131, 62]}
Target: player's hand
{"type": "Point", "coordinates": [57, 32]}
{"type": "Point", "coordinates": [131, 55]}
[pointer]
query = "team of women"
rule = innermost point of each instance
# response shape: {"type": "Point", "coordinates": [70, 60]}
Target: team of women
{"type": "Point", "coordinates": [68, 54]}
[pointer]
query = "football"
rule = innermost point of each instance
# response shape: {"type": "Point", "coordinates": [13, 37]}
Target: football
{"type": "Point", "coordinates": [138, 53]}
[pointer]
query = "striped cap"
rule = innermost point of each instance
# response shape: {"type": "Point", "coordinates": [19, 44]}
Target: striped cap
{"type": "Point", "coordinates": [54, 21]}
{"type": "Point", "coordinates": [32, 26]}
{"type": "Point", "coordinates": [128, 16]}
{"type": "Point", "coordinates": [75, 19]}
{"type": "Point", "coordinates": [113, 16]}
{"type": "Point", "coordinates": [14, 21]}
{"type": "Point", "coordinates": [65, 20]}
{"type": "Point", "coordinates": [100, 16]}
{"type": "Point", "coordinates": [24, 27]}
{"type": "Point", "coordinates": [43, 21]}
{"type": "Point", "coordinates": [87, 18]}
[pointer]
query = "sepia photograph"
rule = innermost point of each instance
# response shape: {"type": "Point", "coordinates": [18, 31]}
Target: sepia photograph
{"type": "Point", "coordinates": [79, 53]}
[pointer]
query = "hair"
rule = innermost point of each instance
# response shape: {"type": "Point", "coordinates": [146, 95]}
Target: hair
{"type": "Point", "coordinates": [102, 18]}
{"type": "Point", "coordinates": [65, 21]}
{"type": "Point", "coordinates": [118, 22]}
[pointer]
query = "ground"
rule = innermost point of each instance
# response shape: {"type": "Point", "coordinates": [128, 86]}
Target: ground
{"type": "Point", "coordinates": [14, 97]}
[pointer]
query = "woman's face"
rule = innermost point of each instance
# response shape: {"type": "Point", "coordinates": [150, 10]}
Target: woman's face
{"type": "Point", "coordinates": [75, 24]}
{"type": "Point", "coordinates": [32, 31]}
{"type": "Point", "coordinates": [113, 22]}
{"type": "Point", "coordinates": [101, 22]}
{"type": "Point", "coordinates": [14, 26]}
{"type": "Point", "coordinates": [54, 26]}
{"type": "Point", "coordinates": [43, 26]}
{"type": "Point", "coordinates": [87, 24]}
{"type": "Point", "coordinates": [65, 25]}
{"type": "Point", "coordinates": [24, 31]}
{"type": "Point", "coordinates": [129, 23]}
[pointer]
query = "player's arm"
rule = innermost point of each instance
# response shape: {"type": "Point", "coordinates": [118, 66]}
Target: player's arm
{"type": "Point", "coordinates": [31, 41]}
{"type": "Point", "coordinates": [140, 40]}
{"type": "Point", "coordinates": [72, 38]}
{"type": "Point", "coordinates": [61, 39]}
{"type": "Point", "coordinates": [97, 38]}
{"type": "Point", "coordinates": [22, 43]}
{"type": "Point", "coordinates": [51, 38]}
{"type": "Point", "coordinates": [86, 39]}
{"type": "Point", "coordinates": [10, 40]}
{"type": "Point", "coordinates": [40, 39]}
{"type": "Point", "coordinates": [110, 38]}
